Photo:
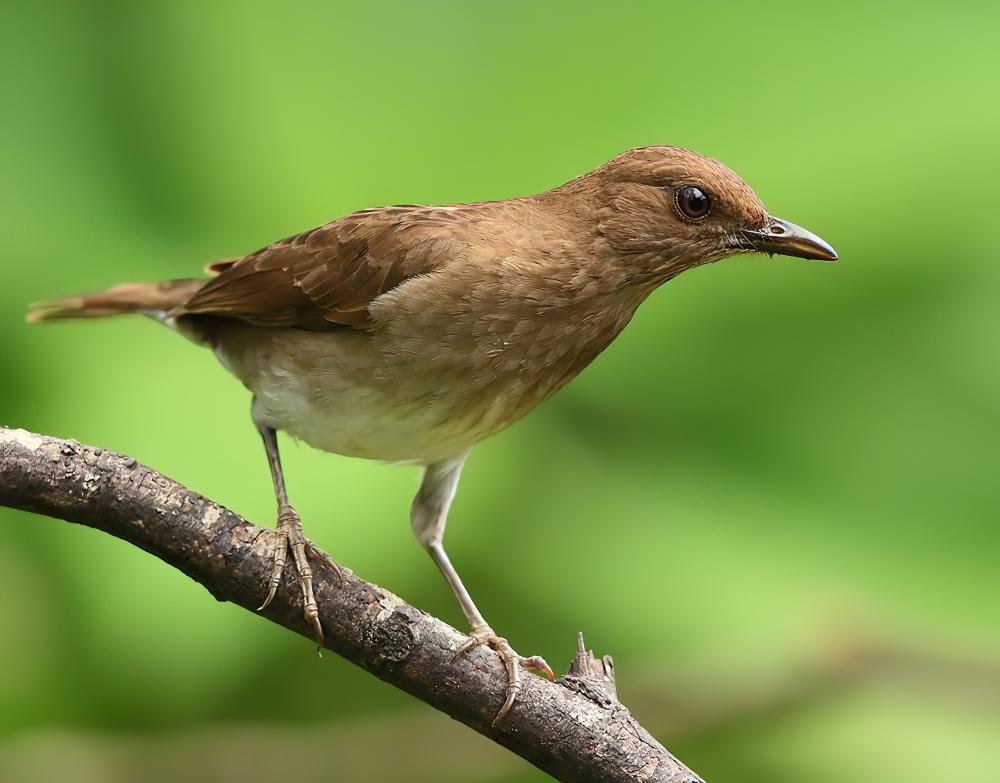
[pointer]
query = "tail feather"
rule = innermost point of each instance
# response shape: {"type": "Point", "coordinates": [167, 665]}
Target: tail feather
{"type": "Point", "coordinates": [150, 298]}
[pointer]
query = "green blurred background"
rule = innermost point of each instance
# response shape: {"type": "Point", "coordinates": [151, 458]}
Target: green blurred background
{"type": "Point", "coordinates": [774, 499]}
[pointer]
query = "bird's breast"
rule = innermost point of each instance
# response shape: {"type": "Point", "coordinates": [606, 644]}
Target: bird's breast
{"type": "Point", "coordinates": [420, 388]}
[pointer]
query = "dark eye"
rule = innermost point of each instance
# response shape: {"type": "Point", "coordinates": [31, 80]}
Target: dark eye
{"type": "Point", "coordinates": [693, 202]}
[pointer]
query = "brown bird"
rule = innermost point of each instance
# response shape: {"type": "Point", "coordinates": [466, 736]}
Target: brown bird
{"type": "Point", "coordinates": [411, 333]}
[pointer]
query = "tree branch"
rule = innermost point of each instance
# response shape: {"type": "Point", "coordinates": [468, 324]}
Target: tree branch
{"type": "Point", "coordinates": [574, 729]}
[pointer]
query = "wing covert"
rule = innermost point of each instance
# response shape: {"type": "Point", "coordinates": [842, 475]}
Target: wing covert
{"type": "Point", "coordinates": [325, 278]}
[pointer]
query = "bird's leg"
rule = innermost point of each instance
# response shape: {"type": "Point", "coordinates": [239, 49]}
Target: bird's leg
{"type": "Point", "coordinates": [290, 536]}
{"type": "Point", "coordinates": [428, 516]}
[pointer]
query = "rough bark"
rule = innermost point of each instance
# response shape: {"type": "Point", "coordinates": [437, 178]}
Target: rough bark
{"type": "Point", "coordinates": [574, 729]}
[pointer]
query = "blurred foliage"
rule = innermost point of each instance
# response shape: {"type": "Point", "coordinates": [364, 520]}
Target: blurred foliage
{"type": "Point", "coordinates": [772, 456]}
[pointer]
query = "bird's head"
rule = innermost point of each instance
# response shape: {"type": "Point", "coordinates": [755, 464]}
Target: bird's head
{"type": "Point", "coordinates": [671, 209]}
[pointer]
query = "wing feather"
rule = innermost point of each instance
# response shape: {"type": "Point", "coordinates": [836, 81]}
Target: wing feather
{"type": "Point", "coordinates": [327, 277]}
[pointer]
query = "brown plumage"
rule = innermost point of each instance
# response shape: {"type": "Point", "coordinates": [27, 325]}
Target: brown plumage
{"type": "Point", "coordinates": [410, 333]}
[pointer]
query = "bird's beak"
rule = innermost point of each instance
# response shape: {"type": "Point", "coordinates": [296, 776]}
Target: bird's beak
{"type": "Point", "coordinates": [786, 239]}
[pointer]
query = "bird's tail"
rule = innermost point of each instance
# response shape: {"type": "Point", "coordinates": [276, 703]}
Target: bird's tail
{"type": "Point", "coordinates": [153, 299]}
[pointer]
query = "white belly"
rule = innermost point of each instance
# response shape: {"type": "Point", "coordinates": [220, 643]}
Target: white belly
{"type": "Point", "coordinates": [333, 391]}
{"type": "Point", "coordinates": [358, 422]}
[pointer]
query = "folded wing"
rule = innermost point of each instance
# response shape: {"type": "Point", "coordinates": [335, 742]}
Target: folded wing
{"type": "Point", "coordinates": [326, 278]}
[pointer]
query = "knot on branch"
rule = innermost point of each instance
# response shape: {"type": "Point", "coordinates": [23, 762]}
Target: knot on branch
{"type": "Point", "coordinates": [591, 677]}
{"type": "Point", "coordinates": [391, 636]}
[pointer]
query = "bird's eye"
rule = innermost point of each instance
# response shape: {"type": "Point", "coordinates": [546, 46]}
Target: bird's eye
{"type": "Point", "coordinates": [692, 202]}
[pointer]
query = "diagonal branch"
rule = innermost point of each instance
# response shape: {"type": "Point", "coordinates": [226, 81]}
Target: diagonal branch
{"type": "Point", "coordinates": [570, 730]}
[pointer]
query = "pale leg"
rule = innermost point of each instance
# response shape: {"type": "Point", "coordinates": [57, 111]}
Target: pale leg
{"type": "Point", "coordinates": [290, 536]}
{"type": "Point", "coordinates": [428, 516]}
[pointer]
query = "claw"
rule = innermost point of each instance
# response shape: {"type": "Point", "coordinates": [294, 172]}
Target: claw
{"type": "Point", "coordinates": [318, 628]}
{"type": "Point", "coordinates": [267, 601]}
{"type": "Point", "coordinates": [537, 663]}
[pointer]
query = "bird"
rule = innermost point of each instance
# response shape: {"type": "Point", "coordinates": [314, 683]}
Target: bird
{"type": "Point", "coordinates": [410, 333]}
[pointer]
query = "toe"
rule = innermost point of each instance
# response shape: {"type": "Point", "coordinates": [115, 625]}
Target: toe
{"type": "Point", "coordinates": [513, 689]}
{"type": "Point", "coordinates": [320, 556]}
{"type": "Point", "coordinates": [467, 645]}
{"type": "Point", "coordinates": [277, 568]}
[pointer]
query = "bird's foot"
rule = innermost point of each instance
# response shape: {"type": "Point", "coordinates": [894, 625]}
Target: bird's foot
{"type": "Point", "coordinates": [290, 536]}
{"type": "Point", "coordinates": [513, 663]}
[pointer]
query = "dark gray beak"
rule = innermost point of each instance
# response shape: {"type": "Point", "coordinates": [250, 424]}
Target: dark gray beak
{"type": "Point", "coordinates": [786, 239]}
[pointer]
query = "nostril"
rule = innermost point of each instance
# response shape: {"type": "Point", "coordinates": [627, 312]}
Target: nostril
{"type": "Point", "coordinates": [777, 229]}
